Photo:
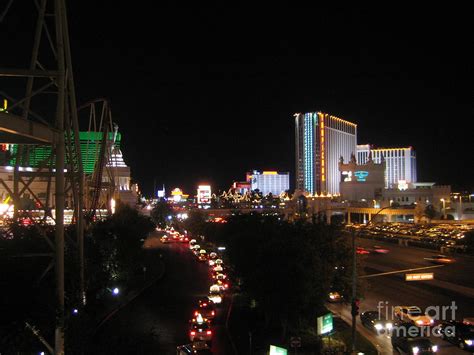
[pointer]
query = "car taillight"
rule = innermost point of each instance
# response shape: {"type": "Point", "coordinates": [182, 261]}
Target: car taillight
{"type": "Point", "coordinates": [208, 332]}
{"type": "Point", "coordinates": [213, 313]}
{"type": "Point", "coordinates": [204, 304]}
{"type": "Point", "coordinates": [193, 332]}
{"type": "Point", "coordinates": [226, 285]}
{"type": "Point", "coordinates": [196, 313]}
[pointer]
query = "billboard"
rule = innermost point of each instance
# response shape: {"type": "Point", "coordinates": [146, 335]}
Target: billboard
{"type": "Point", "coordinates": [204, 194]}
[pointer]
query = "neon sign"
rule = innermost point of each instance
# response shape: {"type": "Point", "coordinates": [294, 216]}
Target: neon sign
{"type": "Point", "coordinates": [361, 175]}
{"type": "Point", "coordinates": [347, 175]}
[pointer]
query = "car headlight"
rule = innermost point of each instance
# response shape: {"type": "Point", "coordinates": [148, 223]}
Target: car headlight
{"type": "Point", "coordinates": [332, 297]}
{"type": "Point", "coordinates": [469, 342]}
{"type": "Point", "coordinates": [434, 348]}
{"type": "Point", "coordinates": [415, 350]}
{"type": "Point", "coordinates": [378, 326]}
{"type": "Point", "coordinates": [419, 321]}
{"type": "Point", "coordinates": [389, 326]}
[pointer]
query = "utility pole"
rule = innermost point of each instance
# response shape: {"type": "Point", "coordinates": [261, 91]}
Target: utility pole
{"type": "Point", "coordinates": [59, 147]}
{"type": "Point", "coordinates": [354, 290]}
{"type": "Point", "coordinates": [354, 306]}
{"type": "Point", "coordinates": [250, 343]}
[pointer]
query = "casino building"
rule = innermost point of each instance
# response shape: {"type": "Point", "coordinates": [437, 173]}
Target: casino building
{"type": "Point", "coordinates": [400, 163]}
{"type": "Point", "coordinates": [321, 139]}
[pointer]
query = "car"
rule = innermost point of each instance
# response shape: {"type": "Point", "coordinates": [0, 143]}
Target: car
{"type": "Point", "coordinates": [413, 346]}
{"type": "Point", "coordinates": [375, 321]}
{"type": "Point", "coordinates": [218, 268]}
{"type": "Point", "coordinates": [213, 255]}
{"type": "Point", "coordinates": [413, 314]}
{"type": "Point", "coordinates": [183, 238]}
{"type": "Point", "coordinates": [197, 347]}
{"type": "Point", "coordinates": [440, 259]}
{"type": "Point", "coordinates": [211, 262]}
{"type": "Point", "coordinates": [206, 309]}
{"type": "Point", "coordinates": [219, 262]}
{"type": "Point", "coordinates": [223, 285]}
{"type": "Point", "coordinates": [215, 294]}
{"type": "Point", "coordinates": [362, 251]}
{"type": "Point", "coordinates": [335, 297]}
{"type": "Point", "coordinates": [200, 331]}
{"type": "Point", "coordinates": [459, 333]}
{"type": "Point", "coordinates": [219, 276]}
{"type": "Point", "coordinates": [377, 249]}
{"type": "Point", "coordinates": [166, 239]}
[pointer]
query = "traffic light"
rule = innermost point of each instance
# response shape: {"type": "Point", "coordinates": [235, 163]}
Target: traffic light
{"type": "Point", "coordinates": [355, 306]}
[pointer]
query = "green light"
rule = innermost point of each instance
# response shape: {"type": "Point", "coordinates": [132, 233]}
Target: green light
{"type": "Point", "coordinates": [90, 143]}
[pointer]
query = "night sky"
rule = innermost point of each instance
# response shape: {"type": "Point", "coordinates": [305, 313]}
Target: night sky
{"type": "Point", "coordinates": [204, 95]}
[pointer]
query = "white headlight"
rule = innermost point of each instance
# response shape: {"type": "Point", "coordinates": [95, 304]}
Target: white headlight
{"type": "Point", "coordinates": [389, 326]}
{"type": "Point", "coordinates": [469, 342]}
{"type": "Point", "coordinates": [415, 350]}
{"type": "Point", "coordinates": [378, 326]}
{"type": "Point", "coordinates": [434, 348]}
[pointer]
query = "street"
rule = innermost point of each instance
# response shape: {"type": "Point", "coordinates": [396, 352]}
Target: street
{"type": "Point", "coordinates": [392, 290]}
{"type": "Point", "coordinates": [158, 320]}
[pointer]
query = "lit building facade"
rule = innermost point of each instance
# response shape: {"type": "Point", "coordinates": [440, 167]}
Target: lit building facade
{"type": "Point", "coordinates": [204, 194]}
{"type": "Point", "coordinates": [361, 182]}
{"type": "Point", "coordinates": [400, 163]}
{"type": "Point", "coordinates": [321, 140]}
{"type": "Point", "coordinates": [269, 181]}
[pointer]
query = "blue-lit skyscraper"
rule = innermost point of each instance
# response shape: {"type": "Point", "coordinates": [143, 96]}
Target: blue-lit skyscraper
{"type": "Point", "coordinates": [321, 140]}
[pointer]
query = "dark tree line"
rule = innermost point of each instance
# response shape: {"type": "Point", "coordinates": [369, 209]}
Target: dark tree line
{"type": "Point", "coordinates": [113, 254]}
{"type": "Point", "coordinates": [287, 268]}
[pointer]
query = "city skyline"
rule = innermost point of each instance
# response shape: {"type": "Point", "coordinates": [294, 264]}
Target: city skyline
{"type": "Point", "coordinates": [205, 101]}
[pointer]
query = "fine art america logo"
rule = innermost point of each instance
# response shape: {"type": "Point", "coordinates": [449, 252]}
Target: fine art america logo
{"type": "Point", "coordinates": [411, 321]}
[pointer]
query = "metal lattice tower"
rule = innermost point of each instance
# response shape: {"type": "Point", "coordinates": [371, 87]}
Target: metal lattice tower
{"type": "Point", "coordinates": [50, 73]}
{"type": "Point", "coordinates": [99, 176]}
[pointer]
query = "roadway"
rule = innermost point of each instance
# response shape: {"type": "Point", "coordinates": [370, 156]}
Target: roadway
{"type": "Point", "coordinates": [157, 321]}
{"type": "Point", "coordinates": [401, 257]}
{"type": "Point", "coordinates": [392, 290]}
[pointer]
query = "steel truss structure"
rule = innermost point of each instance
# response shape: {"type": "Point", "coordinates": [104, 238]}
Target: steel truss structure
{"type": "Point", "coordinates": [50, 74]}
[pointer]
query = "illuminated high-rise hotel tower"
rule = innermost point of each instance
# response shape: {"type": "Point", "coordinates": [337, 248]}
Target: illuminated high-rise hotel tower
{"type": "Point", "coordinates": [321, 140]}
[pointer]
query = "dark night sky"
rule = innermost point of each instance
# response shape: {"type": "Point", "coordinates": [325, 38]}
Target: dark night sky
{"type": "Point", "coordinates": [205, 95]}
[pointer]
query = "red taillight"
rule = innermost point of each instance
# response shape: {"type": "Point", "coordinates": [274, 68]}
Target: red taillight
{"type": "Point", "coordinates": [226, 285]}
{"type": "Point", "coordinates": [204, 304]}
{"type": "Point", "coordinates": [208, 332]}
{"type": "Point", "coordinates": [213, 313]}
{"type": "Point", "coordinates": [196, 313]}
{"type": "Point", "coordinates": [193, 332]}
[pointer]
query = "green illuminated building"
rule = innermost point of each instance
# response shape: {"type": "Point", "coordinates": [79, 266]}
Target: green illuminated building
{"type": "Point", "coordinates": [90, 145]}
